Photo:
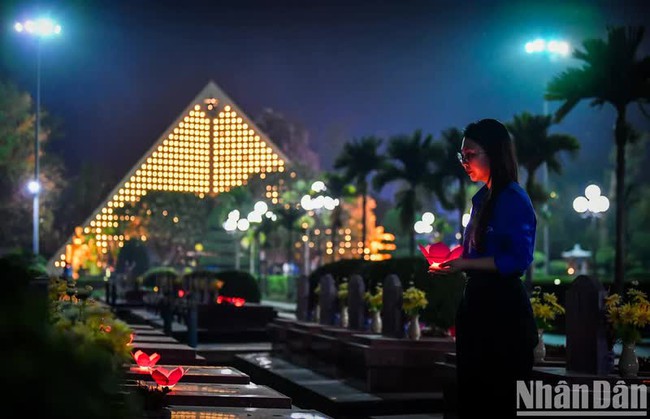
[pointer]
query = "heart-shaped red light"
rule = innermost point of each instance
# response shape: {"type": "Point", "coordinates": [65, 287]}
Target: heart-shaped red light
{"type": "Point", "coordinates": [167, 378]}
{"type": "Point", "coordinates": [438, 253]}
{"type": "Point", "coordinates": [145, 361]}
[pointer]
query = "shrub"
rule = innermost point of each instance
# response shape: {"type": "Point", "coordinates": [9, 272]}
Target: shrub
{"type": "Point", "coordinates": [239, 284]}
{"type": "Point", "coordinates": [70, 374]}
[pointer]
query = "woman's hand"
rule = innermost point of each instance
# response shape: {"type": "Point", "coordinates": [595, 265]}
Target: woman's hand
{"type": "Point", "coordinates": [449, 267]}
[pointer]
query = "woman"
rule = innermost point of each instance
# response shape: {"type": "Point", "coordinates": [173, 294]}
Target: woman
{"type": "Point", "coordinates": [495, 328]}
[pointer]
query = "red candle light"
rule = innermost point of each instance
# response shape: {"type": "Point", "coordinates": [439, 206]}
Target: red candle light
{"type": "Point", "coordinates": [167, 378]}
{"type": "Point", "coordinates": [144, 361]}
{"type": "Point", "coordinates": [438, 253]}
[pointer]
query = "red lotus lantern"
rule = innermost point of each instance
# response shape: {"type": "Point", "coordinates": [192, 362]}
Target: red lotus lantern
{"type": "Point", "coordinates": [438, 253]}
{"type": "Point", "coordinates": [144, 361]}
{"type": "Point", "coordinates": [167, 378]}
{"type": "Point", "coordinates": [236, 301]}
{"type": "Point", "coordinates": [452, 332]}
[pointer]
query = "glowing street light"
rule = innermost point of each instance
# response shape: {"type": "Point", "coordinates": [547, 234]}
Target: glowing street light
{"type": "Point", "coordinates": [235, 223]}
{"type": "Point", "coordinates": [40, 28]}
{"type": "Point", "coordinates": [425, 225]}
{"type": "Point", "coordinates": [592, 203]}
{"type": "Point", "coordinates": [315, 205]}
{"type": "Point", "coordinates": [34, 187]}
{"type": "Point", "coordinates": [553, 48]}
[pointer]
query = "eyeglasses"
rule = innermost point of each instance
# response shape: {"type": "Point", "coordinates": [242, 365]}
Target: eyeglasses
{"type": "Point", "coordinates": [467, 157]}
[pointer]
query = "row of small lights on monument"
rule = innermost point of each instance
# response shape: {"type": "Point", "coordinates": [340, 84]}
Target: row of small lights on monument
{"type": "Point", "coordinates": [172, 167]}
{"type": "Point", "coordinates": [239, 152]}
{"type": "Point", "coordinates": [235, 222]}
{"type": "Point", "coordinates": [182, 162]}
{"type": "Point", "coordinates": [343, 246]}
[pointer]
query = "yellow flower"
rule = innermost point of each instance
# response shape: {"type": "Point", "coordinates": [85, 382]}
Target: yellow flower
{"type": "Point", "coordinates": [374, 301]}
{"type": "Point", "coordinates": [413, 300]}
{"type": "Point", "coordinates": [545, 308]}
{"type": "Point", "coordinates": [343, 292]}
{"type": "Point", "coordinates": [628, 315]}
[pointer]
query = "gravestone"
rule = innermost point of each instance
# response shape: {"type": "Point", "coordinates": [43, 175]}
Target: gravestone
{"type": "Point", "coordinates": [302, 299]}
{"type": "Point", "coordinates": [327, 300]}
{"type": "Point", "coordinates": [392, 310]}
{"type": "Point", "coordinates": [586, 339]}
{"type": "Point", "coordinates": [192, 322]}
{"type": "Point", "coordinates": [356, 305]}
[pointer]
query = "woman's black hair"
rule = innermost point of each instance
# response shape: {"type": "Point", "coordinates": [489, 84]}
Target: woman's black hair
{"type": "Point", "coordinates": [495, 140]}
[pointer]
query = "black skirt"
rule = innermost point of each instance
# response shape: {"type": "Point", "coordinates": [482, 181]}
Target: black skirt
{"type": "Point", "coordinates": [495, 338]}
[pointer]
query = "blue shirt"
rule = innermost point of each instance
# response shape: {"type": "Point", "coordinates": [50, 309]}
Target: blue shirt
{"type": "Point", "coordinates": [510, 234]}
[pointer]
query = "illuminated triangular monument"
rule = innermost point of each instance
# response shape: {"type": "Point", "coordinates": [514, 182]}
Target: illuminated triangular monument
{"type": "Point", "coordinates": [211, 147]}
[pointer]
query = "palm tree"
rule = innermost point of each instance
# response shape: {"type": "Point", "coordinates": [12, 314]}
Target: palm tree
{"type": "Point", "coordinates": [611, 74]}
{"type": "Point", "coordinates": [449, 180]}
{"type": "Point", "coordinates": [358, 160]}
{"type": "Point", "coordinates": [534, 147]}
{"type": "Point", "coordinates": [412, 165]}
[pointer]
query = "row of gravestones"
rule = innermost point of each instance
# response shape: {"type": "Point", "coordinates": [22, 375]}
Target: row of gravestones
{"type": "Point", "coordinates": [391, 313]}
{"type": "Point", "coordinates": [586, 330]}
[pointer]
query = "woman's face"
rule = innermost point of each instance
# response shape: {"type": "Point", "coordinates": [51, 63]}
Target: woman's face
{"type": "Point", "coordinates": [475, 161]}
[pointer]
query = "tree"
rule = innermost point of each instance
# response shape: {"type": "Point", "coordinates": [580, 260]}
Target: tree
{"type": "Point", "coordinates": [449, 180]}
{"type": "Point", "coordinates": [358, 160]}
{"type": "Point", "coordinates": [411, 165]}
{"type": "Point", "coordinates": [611, 74]}
{"type": "Point", "coordinates": [17, 124]}
{"type": "Point", "coordinates": [534, 147]}
{"type": "Point", "coordinates": [291, 137]}
{"type": "Point", "coordinates": [171, 223]}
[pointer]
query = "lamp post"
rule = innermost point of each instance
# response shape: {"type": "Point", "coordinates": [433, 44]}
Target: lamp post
{"type": "Point", "coordinates": [40, 28]}
{"type": "Point", "coordinates": [553, 49]}
{"type": "Point", "coordinates": [238, 226]}
{"type": "Point", "coordinates": [592, 205]}
{"type": "Point", "coordinates": [313, 206]}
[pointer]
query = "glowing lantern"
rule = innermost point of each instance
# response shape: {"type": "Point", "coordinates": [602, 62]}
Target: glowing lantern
{"type": "Point", "coordinates": [131, 336]}
{"type": "Point", "coordinates": [167, 378]}
{"type": "Point", "coordinates": [236, 301]}
{"type": "Point", "coordinates": [438, 253]}
{"type": "Point", "coordinates": [144, 361]}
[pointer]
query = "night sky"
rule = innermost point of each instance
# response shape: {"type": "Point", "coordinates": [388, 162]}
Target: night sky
{"type": "Point", "coordinates": [122, 71]}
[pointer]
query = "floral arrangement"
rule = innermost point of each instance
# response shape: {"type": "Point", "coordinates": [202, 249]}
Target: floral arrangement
{"type": "Point", "coordinates": [545, 308]}
{"type": "Point", "coordinates": [375, 301]}
{"type": "Point", "coordinates": [413, 300]}
{"type": "Point", "coordinates": [342, 293]}
{"type": "Point", "coordinates": [628, 316]}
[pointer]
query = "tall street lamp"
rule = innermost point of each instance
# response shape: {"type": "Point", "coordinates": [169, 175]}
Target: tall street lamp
{"type": "Point", "coordinates": [314, 205]}
{"type": "Point", "coordinates": [40, 28]}
{"type": "Point", "coordinates": [592, 205]}
{"type": "Point", "coordinates": [553, 49]}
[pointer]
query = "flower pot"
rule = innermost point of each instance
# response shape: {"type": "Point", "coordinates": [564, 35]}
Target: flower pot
{"type": "Point", "coordinates": [345, 319]}
{"type": "Point", "coordinates": [414, 328]}
{"type": "Point", "coordinates": [317, 314]}
{"type": "Point", "coordinates": [628, 363]}
{"type": "Point", "coordinates": [540, 349]}
{"type": "Point", "coordinates": [375, 323]}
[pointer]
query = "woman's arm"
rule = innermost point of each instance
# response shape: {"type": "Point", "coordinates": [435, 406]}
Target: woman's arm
{"type": "Point", "coordinates": [460, 264]}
